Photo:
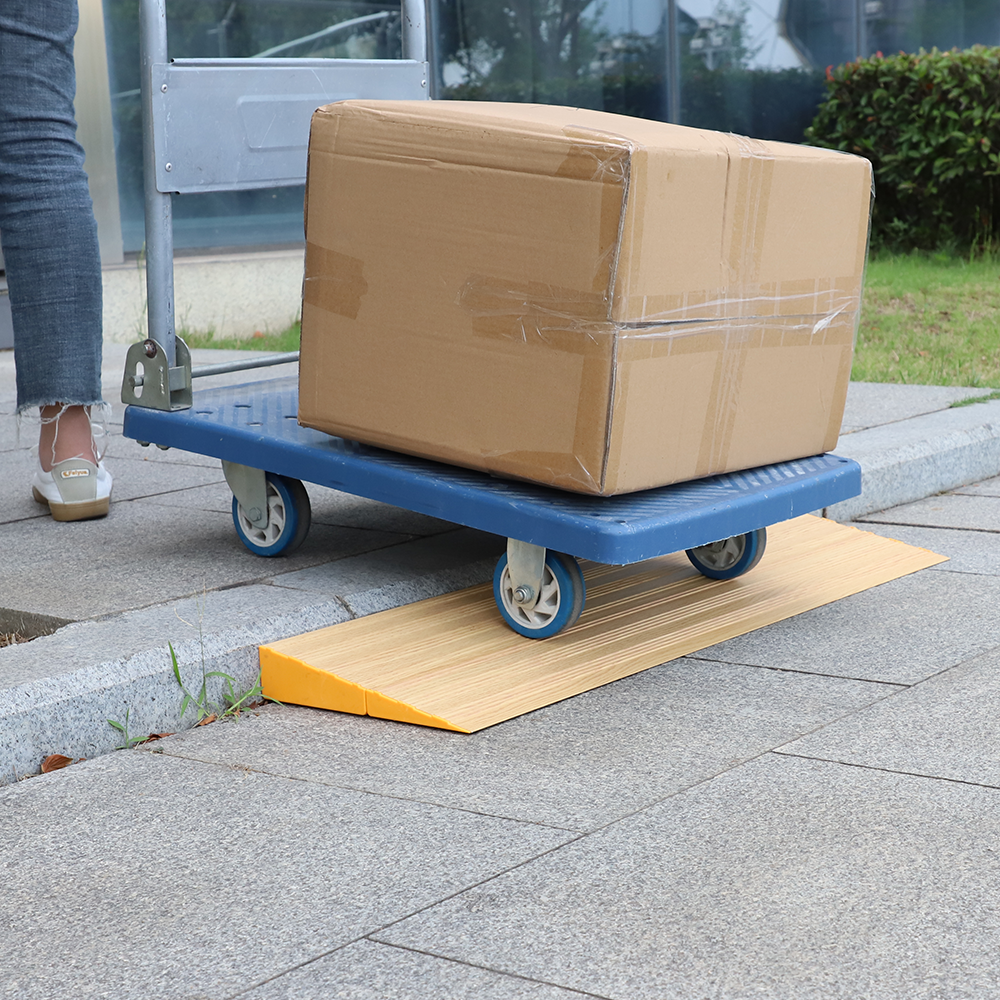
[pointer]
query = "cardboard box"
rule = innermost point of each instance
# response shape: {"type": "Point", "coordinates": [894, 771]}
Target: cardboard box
{"type": "Point", "coordinates": [598, 303]}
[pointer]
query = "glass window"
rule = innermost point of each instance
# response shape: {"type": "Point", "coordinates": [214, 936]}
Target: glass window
{"type": "Point", "coordinates": [232, 28]}
{"type": "Point", "coordinates": [735, 69]}
{"type": "Point", "coordinates": [750, 66]}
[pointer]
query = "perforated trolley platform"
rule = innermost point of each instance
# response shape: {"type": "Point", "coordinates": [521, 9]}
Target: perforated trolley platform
{"type": "Point", "coordinates": [720, 522]}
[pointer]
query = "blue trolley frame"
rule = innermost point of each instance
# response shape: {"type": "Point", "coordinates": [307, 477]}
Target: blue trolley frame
{"type": "Point", "coordinates": [256, 425]}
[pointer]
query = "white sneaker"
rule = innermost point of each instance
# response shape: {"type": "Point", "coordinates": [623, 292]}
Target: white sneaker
{"type": "Point", "coordinates": [75, 490]}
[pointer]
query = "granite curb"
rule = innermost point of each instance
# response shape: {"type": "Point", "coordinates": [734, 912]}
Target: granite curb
{"type": "Point", "coordinates": [68, 710]}
{"type": "Point", "coordinates": [915, 458]}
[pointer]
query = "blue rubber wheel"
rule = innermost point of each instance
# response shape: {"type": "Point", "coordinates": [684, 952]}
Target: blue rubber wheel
{"type": "Point", "coordinates": [288, 518]}
{"type": "Point", "coordinates": [731, 557]}
{"type": "Point", "coordinates": [559, 605]}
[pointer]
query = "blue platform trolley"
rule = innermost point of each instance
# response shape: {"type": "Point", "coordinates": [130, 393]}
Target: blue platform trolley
{"type": "Point", "coordinates": [720, 522]}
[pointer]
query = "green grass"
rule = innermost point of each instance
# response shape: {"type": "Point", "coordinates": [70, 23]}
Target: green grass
{"type": "Point", "coordinates": [930, 320]}
{"type": "Point", "coordinates": [926, 320]}
{"type": "Point", "coordinates": [284, 340]}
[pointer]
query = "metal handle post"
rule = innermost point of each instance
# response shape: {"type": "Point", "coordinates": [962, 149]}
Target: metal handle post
{"type": "Point", "coordinates": [414, 15]}
{"type": "Point", "coordinates": [158, 210]}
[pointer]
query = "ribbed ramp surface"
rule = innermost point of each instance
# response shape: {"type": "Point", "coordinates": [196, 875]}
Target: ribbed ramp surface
{"type": "Point", "coordinates": [451, 662]}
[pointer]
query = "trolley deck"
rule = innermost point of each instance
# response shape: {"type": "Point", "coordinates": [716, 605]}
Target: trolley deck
{"type": "Point", "coordinates": [255, 425]}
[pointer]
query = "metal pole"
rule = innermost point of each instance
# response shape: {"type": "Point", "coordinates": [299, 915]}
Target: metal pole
{"type": "Point", "coordinates": [860, 29]}
{"type": "Point", "coordinates": [673, 67]}
{"type": "Point", "coordinates": [159, 218]}
{"type": "Point", "coordinates": [434, 81]}
{"type": "Point", "coordinates": [232, 366]}
{"type": "Point", "coordinates": [414, 30]}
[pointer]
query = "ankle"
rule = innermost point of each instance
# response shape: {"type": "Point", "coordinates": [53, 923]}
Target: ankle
{"type": "Point", "coordinates": [65, 434]}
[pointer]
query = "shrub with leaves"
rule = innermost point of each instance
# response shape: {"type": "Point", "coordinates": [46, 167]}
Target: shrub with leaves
{"type": "Point", "coordinates": [930, 124]}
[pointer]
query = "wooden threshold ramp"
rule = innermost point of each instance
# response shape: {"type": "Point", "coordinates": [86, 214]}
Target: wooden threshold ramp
{"type": "Point", "coordinates": [451, 662]}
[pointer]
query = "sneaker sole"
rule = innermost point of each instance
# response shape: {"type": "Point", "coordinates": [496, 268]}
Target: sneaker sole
{"type": "Point", "coordinates": [82, 510]}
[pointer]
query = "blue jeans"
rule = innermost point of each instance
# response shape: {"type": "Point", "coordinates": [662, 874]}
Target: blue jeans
{"type": "Point", "coordinates": [47, 227]}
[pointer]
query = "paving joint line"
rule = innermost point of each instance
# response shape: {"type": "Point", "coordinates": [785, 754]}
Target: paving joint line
{"type": "Point", "coordinates": [488, 968]}
{"type": "Point", "coordinates": [794, 670]}
{"type": "Point", "coordinates": [159, 750]}
{"type": "Point", "coordinates": [887, 770]}
{"type": "Point", "coordinates": [479, 884]}
{"type": "Point", "coordinates": [935, 527]}
{"type": "Point", "coordinates": [295, 968]}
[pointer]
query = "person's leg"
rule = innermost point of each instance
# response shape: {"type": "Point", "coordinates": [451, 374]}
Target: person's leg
{"type": "Point", "coordinates": [47, 229]}
{"type": "Point", "coordinates": [47, 226]}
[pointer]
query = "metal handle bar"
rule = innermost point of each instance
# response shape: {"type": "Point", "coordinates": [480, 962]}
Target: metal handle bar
{"type": "Point", "coordinates": [232, 366]}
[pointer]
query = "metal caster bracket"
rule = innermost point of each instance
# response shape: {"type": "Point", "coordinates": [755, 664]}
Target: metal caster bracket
{"type": "Point", "coordinates": [525, 566]}
{"type": "Point", "coordinates": [148, 389]}
{"type": "Point", "coordinates": [249, 486]}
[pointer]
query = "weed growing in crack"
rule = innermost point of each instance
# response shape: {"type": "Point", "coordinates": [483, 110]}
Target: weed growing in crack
{"type": "Point", "coordinates": [232, 704]}
{"type": "Point", "coordinates": [122, 727]}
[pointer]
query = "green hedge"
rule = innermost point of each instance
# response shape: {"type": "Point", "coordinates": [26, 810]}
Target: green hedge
{"type": "Point", "coordinates": [930, 124]}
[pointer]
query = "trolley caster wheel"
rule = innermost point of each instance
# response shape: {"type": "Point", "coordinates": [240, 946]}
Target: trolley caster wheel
{"type": "Point", "coordinates": [730, 558]}
{"type": "Point", "coordinates": [559, 605]}
{"type": "Point", "coordinates": [288, 518]}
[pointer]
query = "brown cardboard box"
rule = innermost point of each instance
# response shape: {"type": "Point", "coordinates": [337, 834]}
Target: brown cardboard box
{"type": "Point", "coordinates": [599, 303]}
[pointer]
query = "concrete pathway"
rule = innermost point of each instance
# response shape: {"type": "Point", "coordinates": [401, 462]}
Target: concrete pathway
{"type": "Point", "coordinates": [810, 811]}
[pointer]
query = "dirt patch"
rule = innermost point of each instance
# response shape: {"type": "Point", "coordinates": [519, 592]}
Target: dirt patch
{"type": "Point", "coordinates": [23, 626]}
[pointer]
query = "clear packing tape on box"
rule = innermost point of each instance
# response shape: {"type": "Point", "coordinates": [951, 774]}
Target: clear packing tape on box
{"type": "Point", "coordinates": [719, 357]}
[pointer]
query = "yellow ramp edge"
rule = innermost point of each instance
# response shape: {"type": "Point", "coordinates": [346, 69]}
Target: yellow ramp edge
{"type": "Point", "coordinates": [381, 707]}
{"type": "Point", "coordinates": [450, 662]}
{"type": "Point", "coordinates": [288, 679]}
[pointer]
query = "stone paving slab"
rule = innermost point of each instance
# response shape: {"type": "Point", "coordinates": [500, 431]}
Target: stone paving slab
{"type": "Point", "coordinates": [133, 479]}
{"type": "Point", "coordinates": [16, 501]}
{"type": "Point", "coordinates": [976, 552]}
{"type": "Point", "coordinates": [415, 562]}
{"type": "Point", "coordinates": [577, 764]}
{"type": "Point", "coordinates": [369, 971]}
{"type": "Point", "coordinates": [330, 507]}
{"type": "Point", "coordinates": [945, 726]}
{"type": "Point", "coordinates": [135, 557]}
{"type": "Point", "coordinates": [950, 510]}
{"type": "Point", "coordinates": [784, 878]}
{"type": "Point", "coordinates": [11, 437]}
{"type": "Point", "coordinates": [900, 632]}
{"type": "Point", "coordinates": [874, 404]}
{"type": "Point", "coordinates": [151, 877]}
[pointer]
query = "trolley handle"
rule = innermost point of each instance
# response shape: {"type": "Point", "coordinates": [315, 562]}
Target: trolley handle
{"type": "Point", "coordinates": [159, 125]}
